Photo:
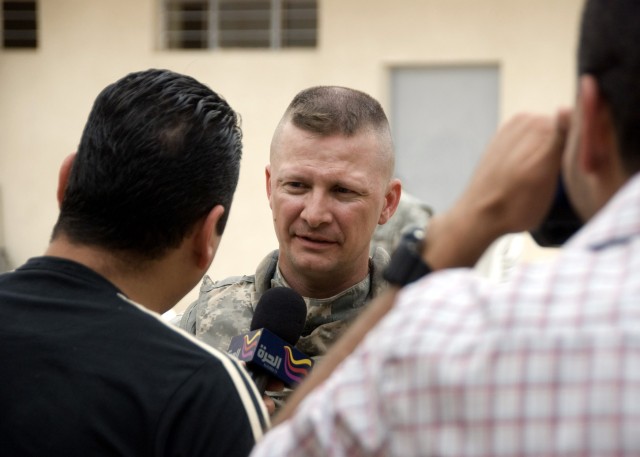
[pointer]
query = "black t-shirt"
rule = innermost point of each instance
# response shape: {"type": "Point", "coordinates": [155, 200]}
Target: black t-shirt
{"type": "Point", "coordinates": [85, 372]}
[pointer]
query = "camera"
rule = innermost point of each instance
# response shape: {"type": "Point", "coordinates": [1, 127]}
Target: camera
{"type": "Point", "coordinates": [560, 223]}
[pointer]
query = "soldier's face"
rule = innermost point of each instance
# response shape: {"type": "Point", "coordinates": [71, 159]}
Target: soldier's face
{"type": "Point", "coordinates": [327, 195]}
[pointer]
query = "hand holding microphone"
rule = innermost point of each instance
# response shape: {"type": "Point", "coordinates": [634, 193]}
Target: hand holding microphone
{"type": "Point", "coordinates": [268, 348]}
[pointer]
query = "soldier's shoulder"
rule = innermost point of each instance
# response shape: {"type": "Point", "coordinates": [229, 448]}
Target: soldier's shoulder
{"type": "Point", "coordinates": [239, 281]}
{"type": "Point", "coordinates": [230, 291]}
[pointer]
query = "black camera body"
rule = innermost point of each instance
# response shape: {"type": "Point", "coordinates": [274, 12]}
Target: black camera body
{"type": "Point", "coordinates": [561, 221]}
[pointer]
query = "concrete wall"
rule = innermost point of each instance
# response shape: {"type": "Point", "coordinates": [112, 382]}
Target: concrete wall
{"type": "Point", "coordinates": [46, 94]}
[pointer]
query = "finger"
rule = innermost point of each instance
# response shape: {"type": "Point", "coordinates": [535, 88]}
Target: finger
{"type": "Point", "coordinates": [275, 385]}
{"type": "Point", "coordinates": [270, 404]}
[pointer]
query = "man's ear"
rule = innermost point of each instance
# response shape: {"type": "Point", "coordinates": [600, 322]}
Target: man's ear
{"type": "Point", "coordinates": [267, 174]}
{"type": "Point", "coordinates": [63, 176]}
{"type": "Point", "coordinates": [207, 239]}
{"type": "Point", "coordinates": [391, 200]}
{"type": "Point", "coordinates": [597, 152]}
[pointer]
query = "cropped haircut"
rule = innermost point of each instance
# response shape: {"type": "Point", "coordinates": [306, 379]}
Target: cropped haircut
{"type": "Point", "coordinates": [336, 110]}
{"type": "Point", "coordinates": [609, 50]}
{"type": "Point", "coordinates": [332, 110]}
{"type": "Point", "coordinates": [158, 152]}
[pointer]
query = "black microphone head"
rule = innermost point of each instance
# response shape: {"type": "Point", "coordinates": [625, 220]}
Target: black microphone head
{"type": "Point", "coordinates": [282, 311]}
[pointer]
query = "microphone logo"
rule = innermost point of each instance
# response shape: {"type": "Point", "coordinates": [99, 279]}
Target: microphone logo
{"type": "Point", "coordinates": [296, 369]}
{"type": "Point", "coordinates": [249, 344]}
{"type": "Point", "coordinates": [264, 349]}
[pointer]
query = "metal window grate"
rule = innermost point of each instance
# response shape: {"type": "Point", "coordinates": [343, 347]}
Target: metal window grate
{"type": "Point", "coordinates": [19, 24]}
{"type": "Point", "coordinates": [244, 24]}
{"type": "Point", "coordinates": [210, 24]}
{"type": "Point", "coordinates": [299, 23]}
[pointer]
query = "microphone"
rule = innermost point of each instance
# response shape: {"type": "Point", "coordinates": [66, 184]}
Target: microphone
{"type": "Point", "coordinates": [268, 348]}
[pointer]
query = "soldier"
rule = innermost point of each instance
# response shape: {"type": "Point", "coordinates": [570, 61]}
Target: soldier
{"type": "Point", "coordinates": [330, 183]}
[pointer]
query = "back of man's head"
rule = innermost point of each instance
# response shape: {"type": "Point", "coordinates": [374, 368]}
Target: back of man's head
{"type": "Point", "coordinates": [158, 152]}
{"type": "Point", "coordinates": [610, 51]}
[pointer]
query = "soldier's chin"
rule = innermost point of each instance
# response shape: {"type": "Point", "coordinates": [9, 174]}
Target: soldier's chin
{"type": "Point", "coordinates": [313, 264]}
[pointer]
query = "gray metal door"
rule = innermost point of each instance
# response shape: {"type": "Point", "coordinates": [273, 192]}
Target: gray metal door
{"type": "Point", "coordinates": [442, 119]}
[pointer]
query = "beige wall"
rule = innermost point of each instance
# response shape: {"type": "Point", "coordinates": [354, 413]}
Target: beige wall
{"type": "Point", "coordinates": [46, 94]}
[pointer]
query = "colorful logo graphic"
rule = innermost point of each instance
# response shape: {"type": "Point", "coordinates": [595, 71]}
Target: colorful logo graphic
{"type": "Point", "coordinates": [249, 344]}
{"type": "Point", "coordinates": [296, 369]}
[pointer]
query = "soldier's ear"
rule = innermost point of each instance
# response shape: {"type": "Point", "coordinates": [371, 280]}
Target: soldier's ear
{"type": "Point", "coordinates": [391, 200]}
{"type": "Point", "coordinates": [267, 175]}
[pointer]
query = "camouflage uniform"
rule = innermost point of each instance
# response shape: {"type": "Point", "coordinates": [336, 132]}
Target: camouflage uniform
{"type": "Point", "coordinates": [224, 308]}
{"type": "Point", "coordinates": [411, 213]}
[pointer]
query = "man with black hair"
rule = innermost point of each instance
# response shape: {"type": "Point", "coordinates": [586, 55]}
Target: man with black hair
{"type": "Point", "coordinates": [545, 364]}
{"type": "Point", "coordinates": [88, 365]}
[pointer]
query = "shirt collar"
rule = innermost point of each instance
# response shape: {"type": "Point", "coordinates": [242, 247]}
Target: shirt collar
{"type": "Point", "coordinates": [352, 297]}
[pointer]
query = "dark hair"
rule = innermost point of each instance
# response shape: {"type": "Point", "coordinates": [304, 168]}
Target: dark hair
{"type": "Point", "coordinates": [329, 110]}
{"type": "Point", "coordinates": [158, 152]}
{"type": "Point", "coordinates": [610, 51]}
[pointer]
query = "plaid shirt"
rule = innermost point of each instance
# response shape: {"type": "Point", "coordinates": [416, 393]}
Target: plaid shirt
{"type": "Point", "coordinates": [546, 364]}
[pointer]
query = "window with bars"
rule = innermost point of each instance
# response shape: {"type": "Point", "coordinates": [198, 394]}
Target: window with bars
{"type": "Point", "coordinates": [211, 24]}
{"type": "Point", "coordinates": [19, 24]}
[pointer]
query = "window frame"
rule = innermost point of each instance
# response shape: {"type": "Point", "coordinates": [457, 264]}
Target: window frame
{"type": "Point", "coordinates": [204, 35]}
{"type": "Point", "coordinates": [11, 37]}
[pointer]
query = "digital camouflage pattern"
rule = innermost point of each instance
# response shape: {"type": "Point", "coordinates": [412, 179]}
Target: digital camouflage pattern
{"type": "Point", "coordinates": [411, 213]}
{"type": "Point", "coordinates": [224, 308]}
